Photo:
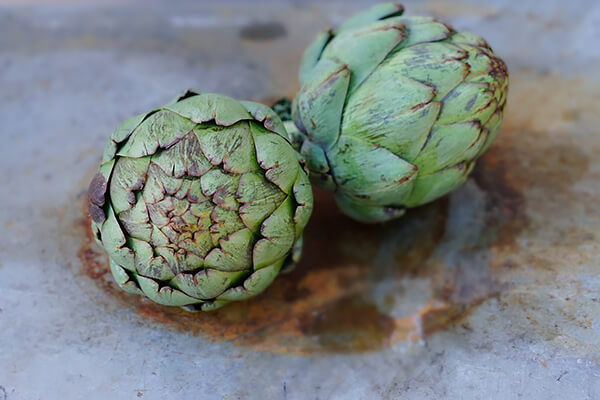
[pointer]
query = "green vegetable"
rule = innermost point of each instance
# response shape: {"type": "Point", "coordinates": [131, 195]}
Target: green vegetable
{"type": "Point", "coordinates": [200, 202]}
{"type": "Point", "coordinates": [393, 111]}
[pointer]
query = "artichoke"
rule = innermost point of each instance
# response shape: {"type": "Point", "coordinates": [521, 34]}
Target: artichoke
{"type": "Point", "coordinates": [200, 202]}
{"type": "Point", "coordinates": [393, 111]}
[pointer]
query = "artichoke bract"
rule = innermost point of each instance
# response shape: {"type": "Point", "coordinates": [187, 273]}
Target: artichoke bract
{"type": "Point", "coordinates": [200, 202]}
{"type": "Point", "coordinates": [394, 110]}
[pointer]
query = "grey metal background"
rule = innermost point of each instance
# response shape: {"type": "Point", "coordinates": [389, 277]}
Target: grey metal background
{"type": "Point", "coordinates": [491, 293]}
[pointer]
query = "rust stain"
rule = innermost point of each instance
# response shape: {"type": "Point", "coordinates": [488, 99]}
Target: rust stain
{"type": "Point", "coordinates": [323, 305]}
{"type": "Point", "coordinates": [497, 174]}
{"type": "Point", "coordinates": [351, 320]}
{"type": "Point", "coordinates": [293, 309]}
{"type": "Point", "coordinates": [351, 291]}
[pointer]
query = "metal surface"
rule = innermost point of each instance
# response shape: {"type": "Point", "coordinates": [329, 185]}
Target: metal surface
{"type": "Point", "coordinates": [490, 293]}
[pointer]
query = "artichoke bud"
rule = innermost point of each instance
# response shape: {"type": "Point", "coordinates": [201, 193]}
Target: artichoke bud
{"type": "Point", "coordinates": [394, 110]}
{"type": "Point", "coordinates": [200, 202]}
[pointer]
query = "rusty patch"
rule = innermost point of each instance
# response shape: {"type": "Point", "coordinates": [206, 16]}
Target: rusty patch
{"type": "Point", "coordinates": [331, 301]}
{"type": "Point", "coordinates": [497, 174]}
{"type": "Point", "coordinates": [350, 322]}
{"type": "Point", "coordinates": [328, 303]}
{"type": "Point", "coordinates": [364, 287]}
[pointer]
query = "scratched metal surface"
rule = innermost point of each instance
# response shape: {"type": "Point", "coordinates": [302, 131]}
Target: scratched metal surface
{"type": "Point", "coordinates": [490, 293]}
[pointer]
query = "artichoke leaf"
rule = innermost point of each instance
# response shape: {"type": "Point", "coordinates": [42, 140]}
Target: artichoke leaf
{"type": "Point", "coordinates": [463, 101]}
{"type": "Point", "coordinates": [304, 200]}
{"type": "Point", "coordinates": [316, 160]}
{"type": "Point", "coordinates": [259, 198]}
{"type": "Point", "coordinates": [183, 158]}
{"type": "Point", "coordinates": [113, 240]}
{"type": "Point", "coordinates": [234, 253]}
{"type": "Point", "coordinates": [312, 54]}
{"type": "Point", "coordinates": [161, 129]}
{"type": "Point", "coordinates": [278, 232]}
{"type": "Point", "coordinates": [370, 172]}
{"type": "Point", "coordinates": [275, 155]}
{"type": "Point", "coordinates": [129, 175]}
{"type": "Point", "coordinates": [442, 76]}
{"type": "Point", "coordinates": [145, 262]}
{"type": "Point", "coordinates": [265, 115]}
{"type": "Point", "coordinates": [184, 95]}
{"type": "Point", "coordinates": [164, 295]}
{"type": "Point", "coordinates": [493, 127]}
{"type": "Point", "coordinates": [224, 223]}
{"type": "Point", "coordinates": [123, 278]}
{"type": "Point", "coordinates": [320, 103]}
{"type": "Point", "coordinates": [254, 284]}
{"type": "Point", "coordinates": [366, 212]}
{"type": "Point", "coordinates": [421, 30]}
{"type": "Point", "coordinates": [207, 283]}
{"type": "Point", "coordinates": [469, 38]}
{"type": "Point", "coordinates": [120, 134]}
{"type": "Point", "coordinates": [135, 221]}
{"type": "Point", "coordinates": [224, 110]}
{"type": "Point", "coordinates": [449, 145]}
{"type": "Point", "coordinates": [429, 187]}
{"type": "Point", "coordinates": [158, 184]}
{"type": "Point", "coordinates": [231, 147]}
{"type": "Point", "coordinates": [403, 132]}
{"type": "Point", "coordinates": [375, 13]}
{"type": "Point", "coordinates": [385, 93]}
{"type": "Point", "coordinates": [362, 50]}
{"type": "Point", "coordinates": [222, 187]}
{"type": "Point", "coordinates": [97, 192]}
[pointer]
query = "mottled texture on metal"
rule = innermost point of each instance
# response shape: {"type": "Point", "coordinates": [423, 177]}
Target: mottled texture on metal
{"type": "Point", "coordinates": [492, 292]}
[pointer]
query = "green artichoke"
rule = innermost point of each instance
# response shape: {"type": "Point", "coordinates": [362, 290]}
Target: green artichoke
{"type": "Point", "coordinates": [200, 202]}
{"type": "Point", "coordinates": [393, 111]}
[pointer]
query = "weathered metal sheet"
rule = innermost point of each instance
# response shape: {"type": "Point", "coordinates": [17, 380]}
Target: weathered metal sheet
{"type": "Point", "coordinates": [492, 292]}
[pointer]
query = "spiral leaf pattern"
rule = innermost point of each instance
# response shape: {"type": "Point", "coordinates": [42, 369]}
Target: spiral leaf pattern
{"type": "Point", "coordinates": [201, 202]}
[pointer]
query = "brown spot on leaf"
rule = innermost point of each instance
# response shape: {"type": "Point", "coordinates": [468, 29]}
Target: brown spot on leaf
{"type": "Point", "coordinates": [96, 193]}
{"type": "Point", "coordinates": [97, 189]}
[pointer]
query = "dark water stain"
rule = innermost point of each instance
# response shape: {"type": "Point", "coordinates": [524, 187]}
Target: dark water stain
{"type": "Point", "coordinates": [498, 175]}
{"type": "Point", "coordinates": [349, 320]}
{"type": "Point", "coordinates": [261, 31]}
